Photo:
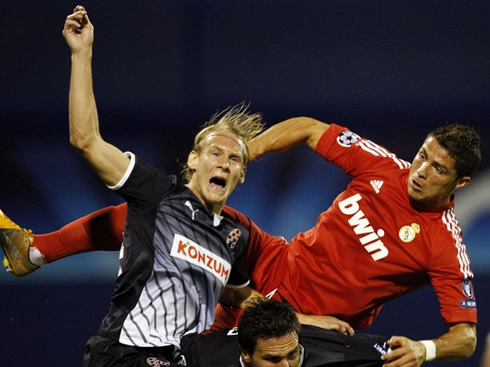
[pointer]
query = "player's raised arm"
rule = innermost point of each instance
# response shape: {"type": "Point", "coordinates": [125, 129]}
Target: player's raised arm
{"type": "Point", "coordinates": [287, 134]}
{"type": "Point", "coordinates": [107, 160]}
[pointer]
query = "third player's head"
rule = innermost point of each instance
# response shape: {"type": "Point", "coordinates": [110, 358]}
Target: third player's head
{"type": "Point", "coordinates": [218, 160]}
{"type": "Point", "coordinates": [268, 335]}
{"type": "Point", "coordinates": [443, 164]}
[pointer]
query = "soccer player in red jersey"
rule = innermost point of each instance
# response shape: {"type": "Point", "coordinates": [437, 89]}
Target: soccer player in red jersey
{"type": "Point", "coordinates": [392, 231]}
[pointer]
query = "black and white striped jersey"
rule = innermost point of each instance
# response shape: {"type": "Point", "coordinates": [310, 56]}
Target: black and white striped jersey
{"type": "Point", "coordinates": [176, 259]}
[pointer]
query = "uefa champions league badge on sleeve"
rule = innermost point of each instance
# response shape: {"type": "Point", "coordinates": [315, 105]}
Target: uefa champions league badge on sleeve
{"type": "Point", "coordinates": [347, 138]}
{"type": "Point", "coordinates": [467, 288]}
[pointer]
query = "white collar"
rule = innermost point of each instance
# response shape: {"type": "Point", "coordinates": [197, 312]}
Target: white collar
{"type": "Point", "coordinates": [217, 219]}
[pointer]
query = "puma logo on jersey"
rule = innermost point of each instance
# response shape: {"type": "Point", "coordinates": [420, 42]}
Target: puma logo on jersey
{"type": "Point", "coordinates": [189, 205]}
{"type": "Point", "coordinates": [187, 250]}
{"type": "Point", "coordinates": [370, 238]}
{"type": "Point", "coordinates": [376, 184]}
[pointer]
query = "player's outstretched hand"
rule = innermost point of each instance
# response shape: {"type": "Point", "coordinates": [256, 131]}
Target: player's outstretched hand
{"type": "Point", "coordinates": [327, 322]}
{"type": "Point", "coordinates": [404, 353]}
{"type": "Point", "coordinates": [78, 30]}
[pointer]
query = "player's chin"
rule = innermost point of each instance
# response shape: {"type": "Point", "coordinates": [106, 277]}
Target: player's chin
{"type": "Point", "coordinates": [415, 193]}
{"type": "Point", "coordinates": [214, 198]}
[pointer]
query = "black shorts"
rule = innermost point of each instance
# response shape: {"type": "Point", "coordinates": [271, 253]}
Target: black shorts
{"type": "Point", "coordinates": [104, 352]}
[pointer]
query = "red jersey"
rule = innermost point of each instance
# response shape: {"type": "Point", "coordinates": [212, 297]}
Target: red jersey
{"type": "Point", "coordinates": [369, 247]}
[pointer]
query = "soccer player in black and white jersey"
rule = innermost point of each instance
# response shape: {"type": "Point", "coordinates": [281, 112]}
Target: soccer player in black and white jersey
{"type": "Point", "coordinates": [180, 254]}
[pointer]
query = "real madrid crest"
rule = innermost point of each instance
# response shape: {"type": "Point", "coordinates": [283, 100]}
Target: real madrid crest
{"type": "Point", "coordinates": [408, 233]}
{"type": "Point", "coordinates": [233, 237]}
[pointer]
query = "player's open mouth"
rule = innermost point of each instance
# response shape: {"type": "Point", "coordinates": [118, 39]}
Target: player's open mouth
{"type": "Point", "coordinates": [218, 182]}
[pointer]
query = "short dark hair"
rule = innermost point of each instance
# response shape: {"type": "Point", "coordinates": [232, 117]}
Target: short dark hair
{"type": "Point", "coordinates": [463, 144]}
{"type": "Point", "coordinates": [266, 318]}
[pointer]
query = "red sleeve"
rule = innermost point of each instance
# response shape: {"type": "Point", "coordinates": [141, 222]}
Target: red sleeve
{"type": "Point", "coordinates": [451, 275]}
{"type": "Point", "coordinates": [355, 155]}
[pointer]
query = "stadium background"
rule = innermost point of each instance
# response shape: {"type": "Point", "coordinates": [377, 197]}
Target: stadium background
{"type": "Point", "coordinates": [390, 71]}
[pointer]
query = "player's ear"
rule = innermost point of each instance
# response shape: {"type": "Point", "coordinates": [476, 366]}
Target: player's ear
{"type": "Point", "coordinates": [462, 182]}
{"type": "Point", "coordinates": [192, 159]}
{"type": "Point", "coordinates": [242, 176]}
{"type": "Point", "coordinates": [246, 356]}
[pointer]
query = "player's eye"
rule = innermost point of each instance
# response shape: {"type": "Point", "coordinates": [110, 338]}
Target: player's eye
{"type": "Point", "coordinates": [274, 359]}
{"type": "Point", "coordinates": [293, 355]}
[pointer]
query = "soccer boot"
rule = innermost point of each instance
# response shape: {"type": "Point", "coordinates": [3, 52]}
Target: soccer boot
{"type": "Point", "coordinates": [15, 242]}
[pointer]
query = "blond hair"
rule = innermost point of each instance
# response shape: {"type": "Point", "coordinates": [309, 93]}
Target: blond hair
{"type": "Point", "coordinates": [235, 119]}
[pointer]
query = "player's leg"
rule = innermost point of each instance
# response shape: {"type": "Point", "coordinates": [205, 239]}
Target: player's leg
{"type": "Point", "coordinates": [26, 252]}
{"type": "Point", "coordinates": [98, 231]}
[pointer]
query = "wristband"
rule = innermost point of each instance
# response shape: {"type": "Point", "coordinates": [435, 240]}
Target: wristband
{"type": "Point", "coordinates": [430, 349]}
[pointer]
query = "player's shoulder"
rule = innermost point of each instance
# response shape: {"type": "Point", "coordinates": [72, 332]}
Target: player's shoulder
{"type": "Point", "coordinates": [236, 215]}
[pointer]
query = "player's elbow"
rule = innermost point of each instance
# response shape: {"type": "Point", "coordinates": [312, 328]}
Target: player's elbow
{"type": "Point", "coordinates": [466, 350]}
{"type": "Point", "coordinates": [466, 340]}
{"type": "Point", "coordinates": [78, 141]}
{"type": "Point", "coordinates": [470, 346]}
{"type": "Point", "coordinates": [83, 143]}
